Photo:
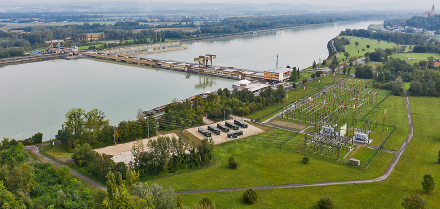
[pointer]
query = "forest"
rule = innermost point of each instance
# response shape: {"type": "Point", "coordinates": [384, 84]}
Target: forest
{"type": "Point", "coordinates": [428, 23]}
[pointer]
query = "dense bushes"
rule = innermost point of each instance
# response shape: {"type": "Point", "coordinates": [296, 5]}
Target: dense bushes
{"type": "Point", "coordinates": [29, 183]}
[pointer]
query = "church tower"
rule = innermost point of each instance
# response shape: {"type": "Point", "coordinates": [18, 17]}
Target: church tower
{"type": "Point", "coordinates": [433, 10]}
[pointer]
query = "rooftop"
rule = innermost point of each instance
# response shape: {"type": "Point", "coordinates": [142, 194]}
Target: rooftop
{"type": "Point", "coordinates": [279, 70]}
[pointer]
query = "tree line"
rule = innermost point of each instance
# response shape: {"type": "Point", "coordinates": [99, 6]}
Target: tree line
{"type": "Point", "coordinates": [8, 142]}
{"type": "Point", "coordinates": [396, 37]}
{"type": "Point", "coordinates": [243, 24]}
{"type": "Point", "coordinates": [92, 128]}
{"type": "Point", "coordinates": [160, 156]}
{"type": "Point", "coordinates": [218, 105]}
{"type": "Point", "coordinates": [428, 23]}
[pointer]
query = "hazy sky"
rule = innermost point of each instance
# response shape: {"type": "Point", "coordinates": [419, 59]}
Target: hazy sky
{"type": "Point", "coordinates": [294, 2]}
{"type": "Point", "coordinates": [371, 4]}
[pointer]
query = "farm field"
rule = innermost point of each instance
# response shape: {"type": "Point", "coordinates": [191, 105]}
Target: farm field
{"type": "Point", "coordinates": [420, 158]}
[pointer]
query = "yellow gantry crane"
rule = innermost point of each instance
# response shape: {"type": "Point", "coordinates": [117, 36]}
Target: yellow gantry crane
{"type": "Point", "coordinates": [203, 60]}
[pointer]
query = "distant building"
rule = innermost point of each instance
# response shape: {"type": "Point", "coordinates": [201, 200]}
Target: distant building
{"type": "Point", "coordinates": [277, 75]}
{"type": "Point", "coordinates": [429, 13]}
{"type": "Point", "coordinates": [252, 87]}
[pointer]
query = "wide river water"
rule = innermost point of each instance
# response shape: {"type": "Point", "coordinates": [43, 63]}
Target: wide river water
{"type": "Point", "coordinates": [295, 47]}
{"type": "Point", "coordinates": [36, 96]}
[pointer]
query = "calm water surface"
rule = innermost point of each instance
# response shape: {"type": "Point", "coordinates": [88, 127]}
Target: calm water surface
{"type": "Point", "coordinates": [295, 47]}
{"type": "Point", "coordinates": [36, 96]}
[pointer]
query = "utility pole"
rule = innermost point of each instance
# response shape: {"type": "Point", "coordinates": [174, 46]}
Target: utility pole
{"type": "Point", "coordinates": [277, 60]}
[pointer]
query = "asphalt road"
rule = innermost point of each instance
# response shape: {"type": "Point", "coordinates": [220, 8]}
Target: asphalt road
{"type": "Point", "coordinates": [36, 151]}
{"type": "Point", "coordinates": [387, 173]}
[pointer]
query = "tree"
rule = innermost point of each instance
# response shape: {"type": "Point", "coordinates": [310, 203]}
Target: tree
{"type": "Point", "coordinates": [346, 55]}
{"type": "Point", "coordinates": [428, 183]}
{"type": "Point", "coordinates": [356, 43]}
{"type": "Point", "coordinates": [414, 202]}
{"type": "Point", "coordinates": [325, 203]}
{"type": "Point", "coordinates": [75, 121]}
{"type": "Point", "coordinates": [368, 46]}
{"type": "Point", "coordinates": [333, 67]}
{"type": "Point", "coordinates": [367, 59]}
{"type": "Point", "coordinates": [250, 196]}
{"type": "Point", "coordinates": [314, 64]}
{"type": "Point", "coordinates": [83, 155]}
{"type": "Point", "coordinates": [293, 75]}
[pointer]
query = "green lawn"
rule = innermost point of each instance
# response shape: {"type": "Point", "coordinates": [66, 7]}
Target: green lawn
{"type": "Point", "coordinates": [364, 154]}
{"type": "Point", "coordinates": [57, 151]}
{"type": "Point", "coordinates": [417, 56]}
{"type": "Point", "coordinates": [296, 93]}
{"type": "Point", "coordinates": [363, 42]}
{"type": "Point", "coordinates": [262, 162]}
{"type": "Point", "coordinates": [420, 158]}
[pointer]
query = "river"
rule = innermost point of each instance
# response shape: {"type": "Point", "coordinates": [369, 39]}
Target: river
{"type": "Point", "coordinates": [295, 47]}
{"type": "Point", "coordinates": [36, 96]}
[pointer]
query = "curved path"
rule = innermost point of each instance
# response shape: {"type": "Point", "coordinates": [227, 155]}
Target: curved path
{"type": "Point", "coordinates": [387, 173]}
{"type": "Point", "coordinates": [36, 151]}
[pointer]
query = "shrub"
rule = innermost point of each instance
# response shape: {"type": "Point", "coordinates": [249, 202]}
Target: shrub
{"type": "Point", "coordinates": [325, 203]}
{"type": "Point", "coordinates": [428, 183]}
{"type": "Point", "coordinates": [305, 160]}
{"type": "Point", "coordinates": [414, 202]}
{"type": "Point", "coordinates": [438, 156]}
{"type": "Point", "coordinates": [318, 73]}
{"type": "Point", "coordinates": [250, 196]}
{"type": "Point", "coordinates": [206, 203]}
{"type": "Point", "coordinates": [232, 163]}
{"type": "Point", "coordinates": [313, 75]}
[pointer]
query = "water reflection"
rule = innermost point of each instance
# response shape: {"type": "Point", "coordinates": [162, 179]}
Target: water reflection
{"type": "Point", "coordinates": [207, 82]}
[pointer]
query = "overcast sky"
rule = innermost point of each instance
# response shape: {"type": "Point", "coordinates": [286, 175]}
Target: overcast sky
{"type": "Point", "coordinates": [389, 4]}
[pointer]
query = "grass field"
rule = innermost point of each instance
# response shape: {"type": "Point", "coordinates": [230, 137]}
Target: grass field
{"type": "Point", "coordinates": [261, 162]}
{"type": "Point", "coordinates": [420, 158]}
{"type": "Point", "coordinates": [57, 151]}
{"type": "Point", "coordinates": [417, 56]}
{"type": "Point", "coordinates": [363, 42]}
{"type": "Point", "coordinates": [296, 93]}
{"type": "Point", "coordinates": [364, 154]}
